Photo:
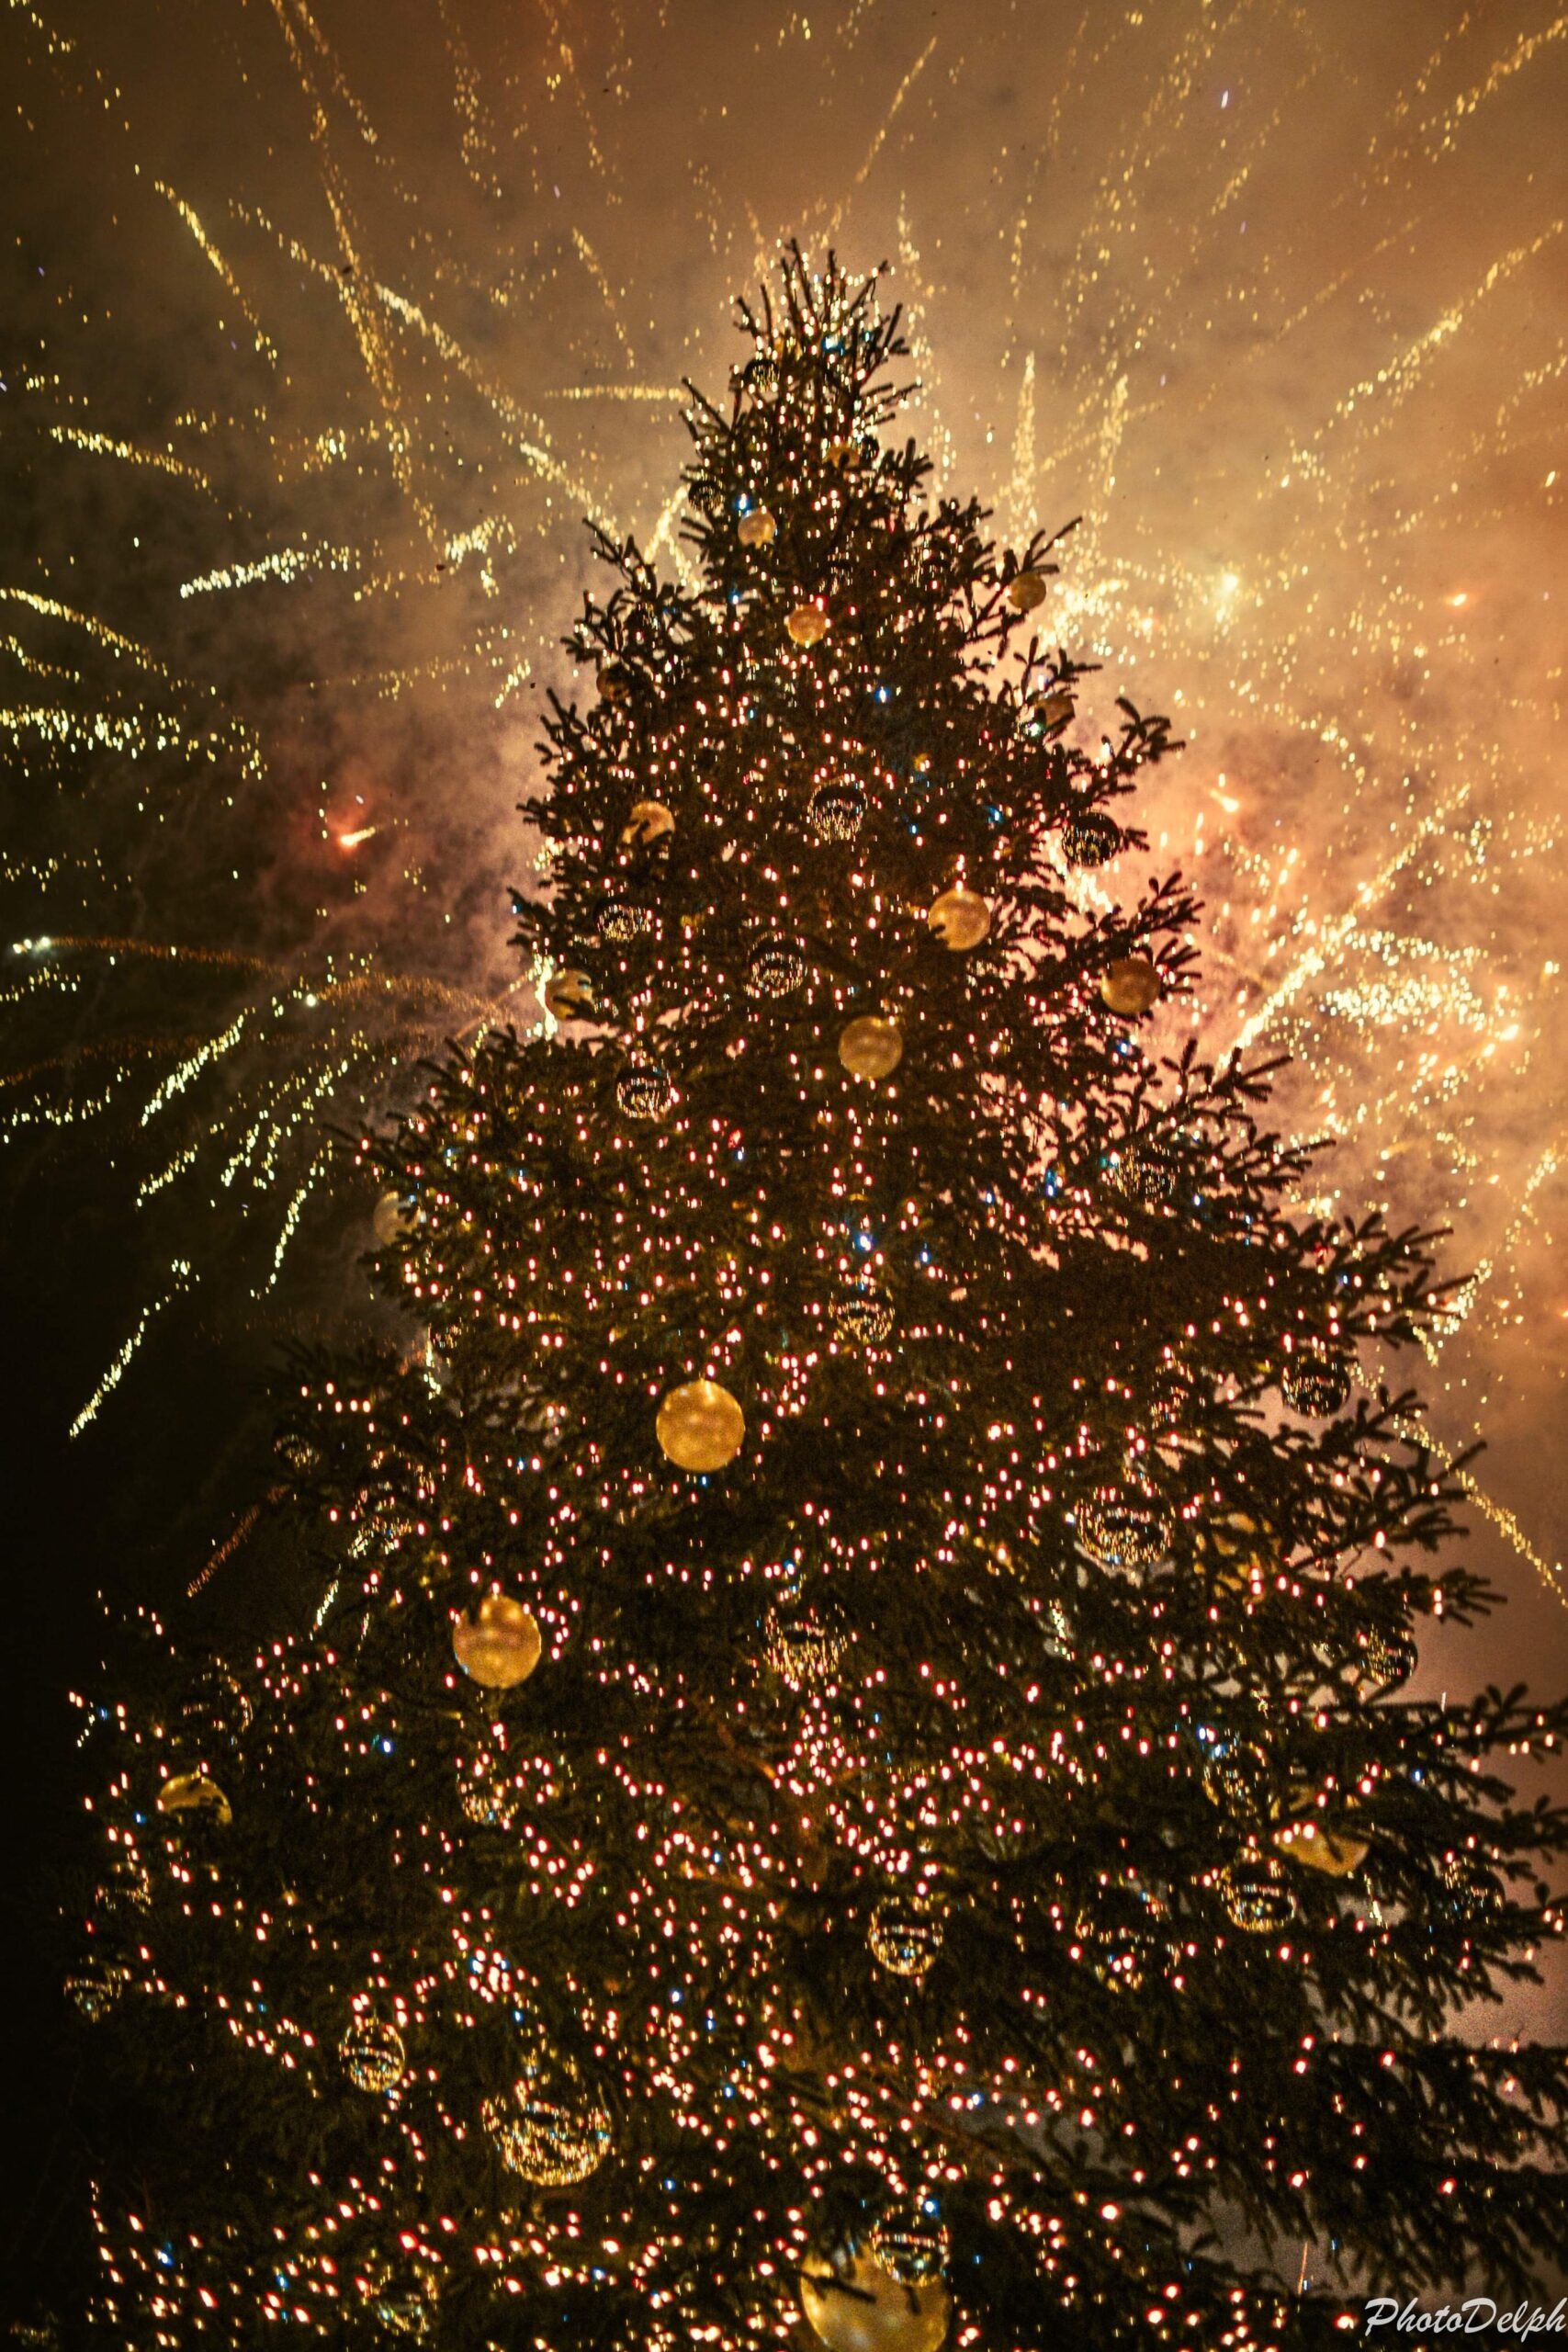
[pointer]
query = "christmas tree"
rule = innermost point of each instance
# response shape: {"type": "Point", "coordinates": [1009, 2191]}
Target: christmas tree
{"type": "Point", "coordinates": [853, 1779]}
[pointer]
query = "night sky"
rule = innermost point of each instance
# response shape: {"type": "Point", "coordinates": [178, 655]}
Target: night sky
{"type": "Point", "coordinates": [322, 329]}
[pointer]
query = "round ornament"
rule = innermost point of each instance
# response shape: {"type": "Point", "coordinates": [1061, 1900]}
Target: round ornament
{"type": "Point", "coordinates": [960, 918]}
{"type": "Point", "coordinates": [486, 1795]}
{"type": "Point", "coordinates": [500, 1645]}
{"type": "Point", "coordinates": [836, 811]}
{"type": "Point", "coordinates": [905, 1934]}
{"type": "Point", "coordinates": [620, 921]}
{"type": "Point", "coordinates": [568, 996]}
{"type": "Point", "coordinates": [1469, 1889]}
{"type": "Point", "coordinates": [853, 2305]}
{"type": "Point", "coordinates": [1026, 591]}
{"type": "Point", "coordinates": [546, 2130]}
{"type": "Point", "coordinates": [1255, 1893]}
{"type": "Point", "coordinates": [648, 821]}
{"type": "Point", "coordinates": [1315, 1381]}
{"type": "Point", "coordinates": [807, 625]}
{"type": "Point", "coordinates": [195, 1792]}
{"type": "Point", "coordinates": [760, 376]}
{"type": "Point", "coordinates": [801, 1645]}
{"type": "Point", "coordinates": [403, 2302]}
{"type": "Point", "coordinates": [1130, 986]}
{"type": "Point", "coordinates": [863, 1315]}
{"type": "Point", "coordinates": [700, 1426]}
{"type": "Point", "coordinates": [841, 456]}
{"type": "Point", "coordinates": [1091, 837]}
{"type": "Point", "coordinates": [644, 1091]}
{"type": "Point", "coordinates": [912, 2247]}
{"type": "Point", "coordinates": [1237, 1777]}
{"type": "Point", "coordinates": [372, 2052]}
{"type": "Point", "coordinates": [1143, 1172]}
{"type": "Point", "coordinates": [392, 1220]}
{"type": "Point", "coordinates": [1334, 1852]}
{"type": "Point", "coordinates": [871, 1046]}
{"type": "Point", "coordinates": [96, 1987]}
{"type": "Point", "coordinates": [216, 1707]}
{"type": "Point", "coordinates": [1125, 1528]}
{"type": "Point", "coordinates": [756, 529]}
{"type": "Point", "coordinates": [1389, 1653]}
{"type": "Point", "coordinates": [614, 681]}
{"type": "Point", "coordinates": [775, 967]}
{"type": "Point", "coordinates": [1047, 713]}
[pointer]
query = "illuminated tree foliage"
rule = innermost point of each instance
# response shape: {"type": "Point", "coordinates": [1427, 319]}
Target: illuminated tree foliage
{"type": "Point", "coordinates": [964, 1863]}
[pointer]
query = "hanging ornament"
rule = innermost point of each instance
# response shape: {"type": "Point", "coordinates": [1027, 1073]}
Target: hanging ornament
{"type": "Point", "coordinates": [760, 376]}
{"type": "Point", "coordinates": [392, 1220]}
{"type": "Point", "coordinates": [372, 2052]}
{"type": "Point", "coordinates": [547, 2129]}
{"type": "Point", "coordinates": [807, 625]}
{"type": "Point", "coordinates": [1239, 1778]}
{"type": "Point", "coordinates": [835, 811]}
{"type": "Point", "coordinates": [775, 967]}
{"type": "Point", "coordinates": [700, 1426]}
{"type": "Point", "coordinates": [644, 1091]}
{"type": "Point", "coordinates": [841, 456]}
{"type": "Point", "coordinates": [863, 1315]}
{"type": "Point", "coordinates": [853, 2305]}
{"type": "Point", "coordinates": [486, 1795]}
{"type": "Point", "coordinates": [906, 1933]}
{"type": "Point", "coordinates": [801, 1645]}
{"type": "Point", "coordinates": [1026, 591]}
{"type": "Point", "coordinates": [1125, 1527]}
{"type": "Point", "coordinates": [620, 921]}
{"type": "Point", "coordinates": [568, 996]}
{"type": "Point", "coordinates": [404, 2305]}
{"type": "Point", "coordinates": [1315, 1381]}
{"type": "Point", "coordinates": [960, 919]}
{"type": "Point", "coordinates": [1468, 1890]}
{"type": "Point", "coordinates": [871, 1046]}
{"type": "Point", "coordinates": [215, 1708]}
{"type": "Point", "coordinates": [195, 1792]}
{"type": "Point", "coordinates": [1091, 838]}
{"type": "Point", "coordinates": [1044, 715]}
{"type": "Point", "coordinates": [96, 1987]}
{"type": "Point", "coordinates": [1391, 1655]}
{"type": "Point", "coordinates": [1257, 1894]}
{"type": "Point", "coordinates": [500, 1645]}
{"type": "Point", "coordinates": [648, 821]}
{"type": "Point", "coordinates": [614, 681]}
{"type": "Point", "coordinates": [1144, 1173]}
{"type": "Point", "coordinates": [1130, 986]}
{"type": "Point", "coordinates": [756, 529]}
{"type": "Point", "coordinates": [1334, 1852]}
{"type": "Point", "coordinates": [911, 2245]}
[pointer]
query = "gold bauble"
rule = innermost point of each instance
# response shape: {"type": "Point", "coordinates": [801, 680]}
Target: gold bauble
{"type": "Point", "coordinates": [757, 529]}
{"type": "Point", "coordinates": [1056, 709]}
{"type": "Point", "coordinates": [871, 1046]}
{"type": "Point", "coordinates": [853, 2306]}
{"type": "Point", "coordinates": [1334, 1852]}
{"type": "Point", "coordinates": [614, 681]}
{"type": "Point", "coordinates": [700, 1426]}
{"type": "Point", "coordinates": [569, 995]}
{"type": "Point", "coordinates": [392, 1220]}
{"type": "Point", "coordinates": [500, 1645]}
{"type": "Point", "coordinates": [648, 821]}
{"type": "Point", "coordinates": [841, 456]}
{"type": "Point", "coordinates": [807, 625]}
{"type": "Point", "coordinates": [195, 1792]}
{"type": "Point", "coordinates": [1026, 591]}
{"type": "Point", "coordinates": [1131, 985]}
{"type": "Point", "coordinates": [960, 918]}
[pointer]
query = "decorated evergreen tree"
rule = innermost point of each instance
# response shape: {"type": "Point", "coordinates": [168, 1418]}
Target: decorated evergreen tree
{"type": "Point", "coordinates": [849, 1780]}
